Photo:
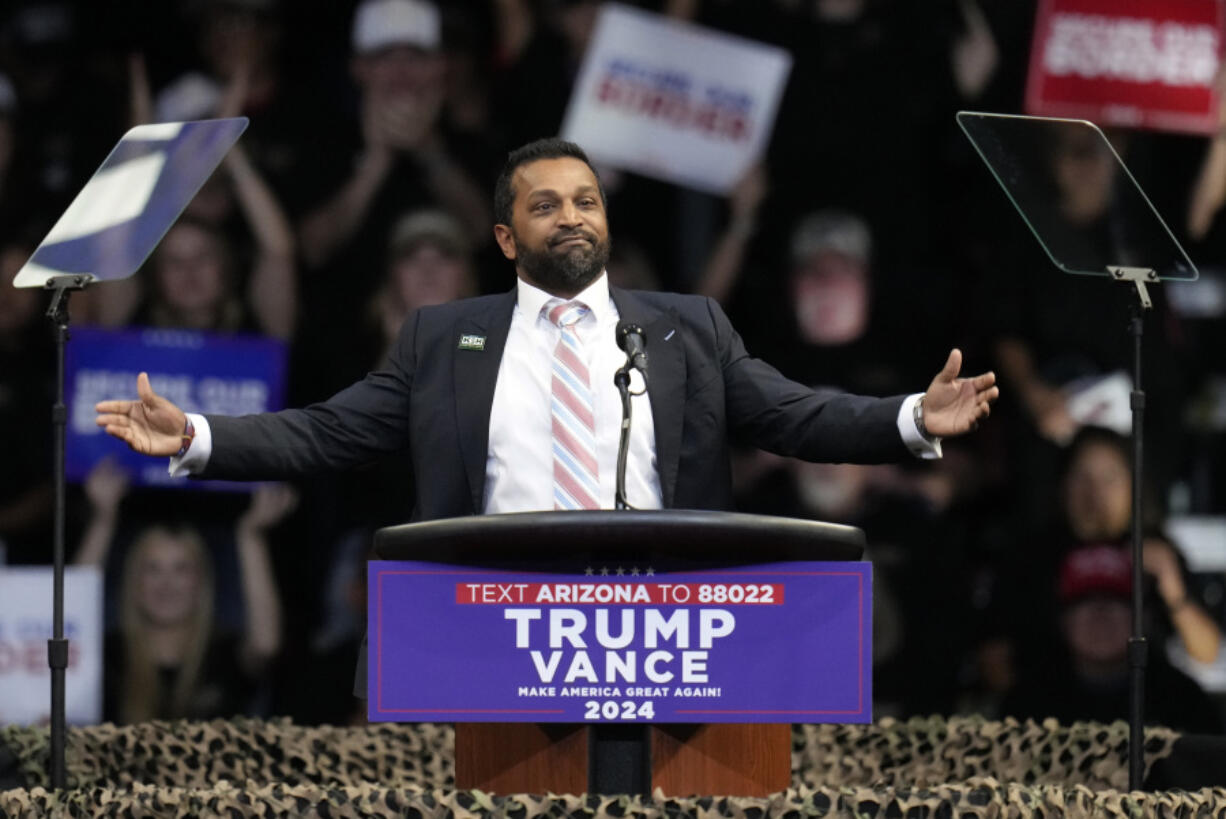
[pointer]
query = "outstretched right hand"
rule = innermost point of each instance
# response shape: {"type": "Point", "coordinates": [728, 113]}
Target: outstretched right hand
{"type": "Point", "coordinates": [151, 425]}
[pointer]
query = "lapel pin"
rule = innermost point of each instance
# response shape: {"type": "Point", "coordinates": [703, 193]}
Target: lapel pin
{"type": "Point", "coordinates": [471, 342]}
{"type": "Point", "coordinates": [670, 334]}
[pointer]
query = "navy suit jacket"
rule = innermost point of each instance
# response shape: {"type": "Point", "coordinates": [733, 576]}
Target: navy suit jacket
{"type": "Point", "coordinates": [434, 397]}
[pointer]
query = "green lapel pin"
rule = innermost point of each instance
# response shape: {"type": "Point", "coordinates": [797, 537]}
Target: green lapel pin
{"type": "Point", "coordinates": [471, 342]}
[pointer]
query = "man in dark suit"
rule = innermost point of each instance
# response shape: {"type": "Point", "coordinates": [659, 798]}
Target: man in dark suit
{"type": "Point", "coordinates": [506, 402]}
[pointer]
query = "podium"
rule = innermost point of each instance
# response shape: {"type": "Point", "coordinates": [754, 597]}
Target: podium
{"type": "Point", "coordinates": [678, 758]}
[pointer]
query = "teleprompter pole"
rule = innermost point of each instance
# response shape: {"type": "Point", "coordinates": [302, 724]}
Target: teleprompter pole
{"type": "Point", "coordinates": [1138, 650]}
{"type": "Point", "coordinates": [57, 646]}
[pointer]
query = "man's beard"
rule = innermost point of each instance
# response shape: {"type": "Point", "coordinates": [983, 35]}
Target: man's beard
{"type": "Point", "coordinates": [563, 271]}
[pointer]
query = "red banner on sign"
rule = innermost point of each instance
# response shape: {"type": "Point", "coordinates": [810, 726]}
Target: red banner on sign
{"type": "Point", "coordinates": [1133, 63]}
{"type": "Point", "coordinates": [626, 593]}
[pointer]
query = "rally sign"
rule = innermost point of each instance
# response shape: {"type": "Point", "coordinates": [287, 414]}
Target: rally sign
{"type": "Point", "coordinates": [783, 642]}
{"type": "Point", "coordinates": [198, 371]}
{"type": "Point", "coordinates": [1133, 63]}
{"type": "Point", "coordinates": [673, 100]}
{"type": "Point", "coordinates": [26, 625]}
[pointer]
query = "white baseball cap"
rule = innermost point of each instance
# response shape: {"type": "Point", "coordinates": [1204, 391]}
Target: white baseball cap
{"type": "Point", "coordinates": [379, 24]}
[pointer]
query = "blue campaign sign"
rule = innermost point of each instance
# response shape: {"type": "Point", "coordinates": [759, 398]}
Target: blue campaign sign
{"type": "Point", "coordinates": [782, 642]}
{"type": "Point", "coordinates": [198, 371]}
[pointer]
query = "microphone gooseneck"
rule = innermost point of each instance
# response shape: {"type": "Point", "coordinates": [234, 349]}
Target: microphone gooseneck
{"type": "Point", "coordinates": [631, 340]}
{"type": "Point", "coordinates": [634, 344]}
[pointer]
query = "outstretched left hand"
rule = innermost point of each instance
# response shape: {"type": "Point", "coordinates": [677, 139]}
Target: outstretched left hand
{"type": "Point", "coordinates": [953, 405]}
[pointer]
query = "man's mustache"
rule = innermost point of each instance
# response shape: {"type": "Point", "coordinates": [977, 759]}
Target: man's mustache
{"type": "Point", "coordinates": [560, 237]}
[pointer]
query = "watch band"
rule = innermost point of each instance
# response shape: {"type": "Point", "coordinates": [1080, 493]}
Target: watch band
{"type": "Point", "coordinates": [918, 415]}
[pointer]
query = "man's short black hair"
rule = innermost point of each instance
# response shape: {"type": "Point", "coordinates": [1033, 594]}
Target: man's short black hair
{"type": "Point", "coordinates": [549, 148]}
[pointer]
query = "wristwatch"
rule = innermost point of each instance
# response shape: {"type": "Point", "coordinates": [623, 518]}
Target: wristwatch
{"type": "Point", "coordinates": [918, 415]}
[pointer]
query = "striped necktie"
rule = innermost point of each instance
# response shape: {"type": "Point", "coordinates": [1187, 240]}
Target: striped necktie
{"type": "Point", "coordinates": [576, 483]}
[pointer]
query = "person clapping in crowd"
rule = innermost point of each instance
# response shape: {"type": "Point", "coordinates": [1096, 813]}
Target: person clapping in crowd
{"type": "Point", "coordinates": [199, 276]}
{"type": "Point", "coordinates": [1037, 596]}
{"type": "Point", "coordinates": [1086, 675]}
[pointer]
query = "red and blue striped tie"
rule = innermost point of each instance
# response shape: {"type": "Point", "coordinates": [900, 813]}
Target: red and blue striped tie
{"type": "Point", "coordinates": [576, 482]}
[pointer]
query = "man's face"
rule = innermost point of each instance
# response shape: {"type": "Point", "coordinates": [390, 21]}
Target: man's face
{"type": "Point", "coordinates": [831, 299]}
{"type": "Point", "coordinates": [429, 275]}
{"type": "Point", "coordinates": [559, 235]}
{"type": "Point", "coordinates": [399, 71]}
{"type": "Point", "coordinates": [1097, 631]}
{"type": "Point", "coordinates": [1098, 493]}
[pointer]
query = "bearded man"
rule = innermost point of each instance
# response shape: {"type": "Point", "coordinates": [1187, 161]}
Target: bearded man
{"type": "Point", "coordinates": [507, 403]}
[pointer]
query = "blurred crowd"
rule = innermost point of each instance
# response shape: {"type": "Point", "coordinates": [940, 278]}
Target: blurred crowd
{"type": "Point", "coordinates": [868, 241]}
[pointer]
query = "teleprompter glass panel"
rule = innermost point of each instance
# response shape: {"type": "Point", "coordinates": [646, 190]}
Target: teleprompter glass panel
{"type": "Point", "coordinates": [1076, 195]}
{"type": "Point", "coordinates": [133, 198]}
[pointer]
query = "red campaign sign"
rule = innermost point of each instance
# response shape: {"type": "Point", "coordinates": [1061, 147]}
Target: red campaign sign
{"type": "Point", "coordinates": [1132, 63]}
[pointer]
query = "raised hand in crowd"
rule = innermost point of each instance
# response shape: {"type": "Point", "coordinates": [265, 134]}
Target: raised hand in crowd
{"type": "Point", "coordinates": [140, 93]}
{"type": "Point", "coordinates": [1209, 190]}
{"type": "Point", "coordinates": [1199, 634]}
{"type": "Point", "coordinates": [105, 487]}
{"type": "Point", "coordinates": [114, 305]}
{"type": "Point", "coordinates": [974, 55]}
{"type": "Point", "coordinates": [515, 24]}
{"type": "Point", "coordinates": [270, 504]}
{"type": "Point", "coordinates": [272, 287]}
{"type": "Point", "coordinates": [1046, 404]}
{"type": "Point", "coordinates": [727, 258]}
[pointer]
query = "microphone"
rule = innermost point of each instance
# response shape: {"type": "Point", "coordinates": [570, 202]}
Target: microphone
{"type": "Point", "coordinates": [630, 338]}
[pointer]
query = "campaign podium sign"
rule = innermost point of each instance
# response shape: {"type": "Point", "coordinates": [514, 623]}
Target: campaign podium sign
{"type": "Point", "coordinates": [225, 374]}
{"type": "Point", "coordinates": [782, 642]}
{"type": "Point", "coordinates": [626, 651]}
{"type": "Point", "coordinates": [1128, 63]}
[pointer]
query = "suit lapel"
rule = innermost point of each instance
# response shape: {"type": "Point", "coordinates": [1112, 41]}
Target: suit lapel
{"type": "Point", "coordinates": [475, 374]}
{"type": "Point", "coordinates": [665, 383]}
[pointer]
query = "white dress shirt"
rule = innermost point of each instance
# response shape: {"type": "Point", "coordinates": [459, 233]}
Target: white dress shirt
{"type": "Point", "coordinates": [519, 462]}
{"type": "Point", "coordinates": [519, 466]}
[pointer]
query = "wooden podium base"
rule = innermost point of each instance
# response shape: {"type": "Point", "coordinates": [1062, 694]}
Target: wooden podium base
{"type": "Point", "coordinates": [717, 758]}
{"type": "Point", "coordinates": [521, 757]}
{"type": "Point", "coordinates": [728, 760]}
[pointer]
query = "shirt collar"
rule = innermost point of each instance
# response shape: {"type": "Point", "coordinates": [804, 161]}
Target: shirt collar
{"type": "Point", "coordinates": [596, 296]}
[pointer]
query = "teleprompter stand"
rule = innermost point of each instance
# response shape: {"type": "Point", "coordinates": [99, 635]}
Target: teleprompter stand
{"type": "Point", "coordinates": [680, 759]}
{"type": "Point", "coordinates": [1138, 649]}
{"type": "Point", "coordinates": [107, 232]}
{"type": "Point", "coordinates": [57, 646]}
{"type": "Point", "coordinates": [1022, 153]}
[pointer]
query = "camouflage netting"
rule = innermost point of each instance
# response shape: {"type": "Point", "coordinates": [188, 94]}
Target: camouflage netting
{"type": "Point", "coordinates": [960, 768]}
{"type": "Point", "coordinates": [184, 754]}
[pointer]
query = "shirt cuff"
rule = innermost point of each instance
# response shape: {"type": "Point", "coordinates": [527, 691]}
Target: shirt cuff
{"type": "Point", "coordinates": [196, 458]}
{"type": "Point", "coordinates": [920, 446]}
